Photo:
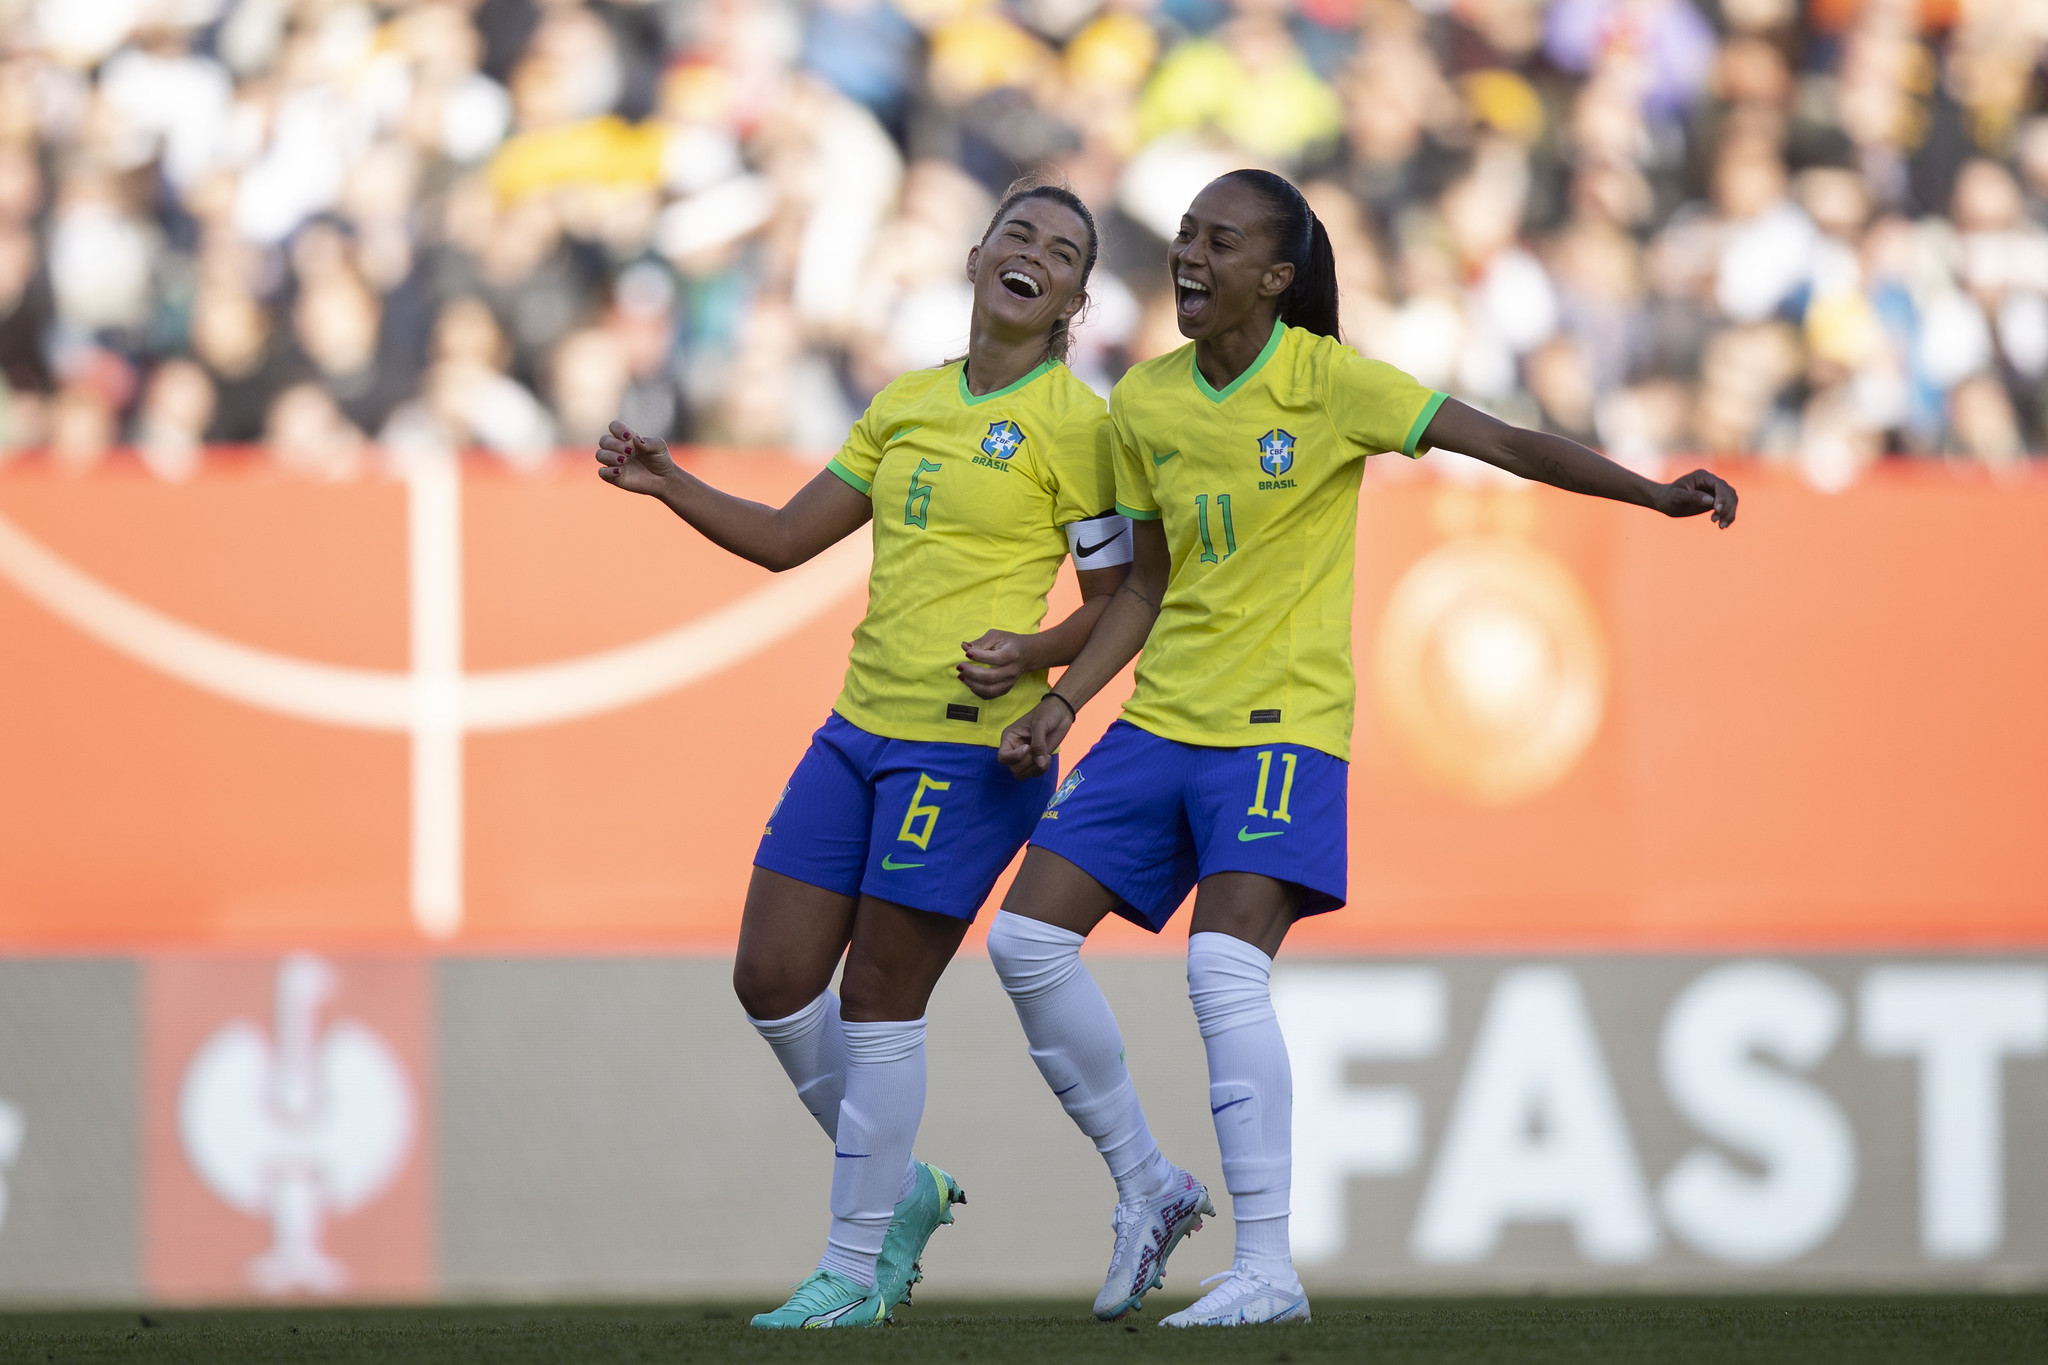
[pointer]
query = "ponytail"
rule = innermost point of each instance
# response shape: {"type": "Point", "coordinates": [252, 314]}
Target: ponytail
{"type": "Point", "coordinates": [1310, 302]}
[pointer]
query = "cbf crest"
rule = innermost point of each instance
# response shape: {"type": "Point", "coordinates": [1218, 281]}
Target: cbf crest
{"type": "Point", "coordinates": [1002, 440]}
{"type": "Point", "coordinates": [1276, 452]}
{"type": "Point", "coordinates": [1066, 789]}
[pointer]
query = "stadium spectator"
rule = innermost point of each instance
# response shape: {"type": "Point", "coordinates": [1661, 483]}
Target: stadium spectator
{"type": "Point", "coordinates": [1815, 232]}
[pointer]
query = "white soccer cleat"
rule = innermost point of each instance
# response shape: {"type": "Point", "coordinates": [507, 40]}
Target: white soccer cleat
{"type": "Point", "coordinates": [1244, 1299]}
{"type": "Point", "coordinates": [1147, 1231]}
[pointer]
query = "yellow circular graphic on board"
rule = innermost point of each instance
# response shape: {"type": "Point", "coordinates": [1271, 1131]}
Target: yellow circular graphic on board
{"type": "Point", "coordinates": [1491, 670]}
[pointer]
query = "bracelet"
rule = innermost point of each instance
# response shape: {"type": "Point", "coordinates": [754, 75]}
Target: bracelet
{"type": "Point", "coordinates": [1071, 710]}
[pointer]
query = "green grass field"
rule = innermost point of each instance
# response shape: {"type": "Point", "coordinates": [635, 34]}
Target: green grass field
{"type": "Point", "coordinates": [1660, 1331]}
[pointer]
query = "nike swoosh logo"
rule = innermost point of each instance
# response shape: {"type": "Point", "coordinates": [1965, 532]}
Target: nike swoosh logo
{"type": "Point", "coordinates": [889, 863]}
{"type": "Point", "coordinates": [1159, 459]}
{"type": "Point", "coordinates": [848, 1155]}
{"type": "Point", "coordinates": [1084, 551]}
{"type": "Point", "coordinates": [902, 432]}
{"type": "Point", "coordinates": [1057, 1093]}
{"type": "Point", "coordinates": [1230, 1104]}
{"type": "Point", "coordinates": [1244, 835]}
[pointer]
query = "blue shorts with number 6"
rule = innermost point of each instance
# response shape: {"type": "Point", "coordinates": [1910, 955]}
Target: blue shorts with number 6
{"type": "Point", "coordinates": [1149, 817]}
{"type": "Point", "coordinates": [926, 825]}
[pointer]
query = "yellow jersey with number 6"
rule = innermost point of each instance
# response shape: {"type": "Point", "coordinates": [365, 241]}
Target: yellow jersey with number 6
{"type": "Point", "coordinates": [970, 495]}
{"type": "Point", "coordinates": [1256, 486]}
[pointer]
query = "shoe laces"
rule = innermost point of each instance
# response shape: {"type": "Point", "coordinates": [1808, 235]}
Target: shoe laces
{"type": "Point", "coordinates": [1125, 1223]}
{"type": "Point", "coordinates": [1238, 1270]}
{"type": "Point", "coordinates": [816, 1289]}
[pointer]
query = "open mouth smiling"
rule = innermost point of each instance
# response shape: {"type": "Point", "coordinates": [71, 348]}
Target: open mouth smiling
{"type": "Point", "coordinates": [1190, 295]}
{"type": "Point", "coordinates": [1021, 284]}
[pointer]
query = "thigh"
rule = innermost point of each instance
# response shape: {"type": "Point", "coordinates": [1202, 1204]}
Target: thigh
{"type": "Point", "coordinates": [1054, 891]}
{"type": "Point", "coordinates": [791, 937]}
{"type": "Point", "coordinates": [1245, 905]}
{"type": "Point", "coordinates": [818, 831]}
{"type": "Point", "coordinates": [947, 819]}
{"type": "Point", "coordinates": [895, 959]}
{"type": "Point", "coordinates": [1277, 811]}
{"type": "Point", "coordinates": [1121, 819]}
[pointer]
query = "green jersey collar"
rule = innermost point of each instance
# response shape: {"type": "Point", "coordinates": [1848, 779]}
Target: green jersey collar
{"type": "Point", "coordinates": [1215, 395]}
{"type": "Point", "coordinates": [971, 399]}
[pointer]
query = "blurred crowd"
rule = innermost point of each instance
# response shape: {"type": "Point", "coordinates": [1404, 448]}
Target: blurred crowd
{"type": "Point", "coordinates": [346, 229]}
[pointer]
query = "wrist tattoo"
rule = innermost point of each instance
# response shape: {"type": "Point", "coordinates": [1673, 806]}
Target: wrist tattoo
{"type": "Point", "coordinates": [1154, 606]}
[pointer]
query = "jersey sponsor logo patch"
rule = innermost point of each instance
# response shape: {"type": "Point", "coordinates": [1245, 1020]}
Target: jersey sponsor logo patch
{"type": "Point", "coordinates": [1245, 835]}
{"type": "Point", "coordinates": [1276, 452]}
{"type": "Point", "coordinates": [889, 863]}
{"type": "Point", "coordinates": [955, 711]}
{"type": "Point", "coordinates": [1159, 459]}
{"type": "Point", "coordinates": [1066, 789]}
{"type": "Point", "coordinates": [1002, 440]}
{"type": "Point", "coordinates": [1271, 717]}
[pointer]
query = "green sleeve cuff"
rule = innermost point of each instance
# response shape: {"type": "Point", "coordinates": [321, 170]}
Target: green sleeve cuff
{"type": "Point", "coordinates": [1136, 515]}
{"type": "Point", "coordinates": [1436, 400]}
{"type": "Point", "coordinates": [859, 484]}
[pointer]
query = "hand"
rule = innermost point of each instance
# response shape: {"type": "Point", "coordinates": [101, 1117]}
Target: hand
{"type": "Point", "coordinates": [1698, 492]}
{"type": "Point", "coordinates": [1027, 746]}
{"type": "Point", "coordinates": [996, 661]}
{"type": "Point", "coordinates": [638, 464]}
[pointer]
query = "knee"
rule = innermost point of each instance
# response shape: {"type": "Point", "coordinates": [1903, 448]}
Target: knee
{"type": "Point", "coordinates": [867, 996]}
{"type": "Point", "coordinates": [1031, 956]}
{"type": "Point", "coordinates": [770, 990]}
{"type": "Point", "coordinates": [1229, 983]}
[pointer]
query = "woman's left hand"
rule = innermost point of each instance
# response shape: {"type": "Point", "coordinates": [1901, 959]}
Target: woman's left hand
{"type": "Point", "coordinates": [994, 663]}
{"type": "Point", "coordinates": [1697, 492]}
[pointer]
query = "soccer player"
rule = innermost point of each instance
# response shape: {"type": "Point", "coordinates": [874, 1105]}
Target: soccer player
{"type": "Point", "coordinates": [979, 477]}
{"type": "Point", "coordinates": [1238, 457]}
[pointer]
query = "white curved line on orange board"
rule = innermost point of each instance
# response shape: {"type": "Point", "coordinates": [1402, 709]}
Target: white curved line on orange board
{"type": "Point", "coordinates": [375, 699]}
{"type": "Point", "coordinates": [547, 694]}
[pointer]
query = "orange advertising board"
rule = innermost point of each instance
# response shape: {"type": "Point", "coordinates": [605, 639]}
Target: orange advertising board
{"type": "Point", "coordinates": [479, 711]}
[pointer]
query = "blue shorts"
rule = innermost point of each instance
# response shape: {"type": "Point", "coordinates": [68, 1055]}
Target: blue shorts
{"type": "Point", "coordinates": [1149, 817]}
{"type": "Point", "coordinates": [925, 825]}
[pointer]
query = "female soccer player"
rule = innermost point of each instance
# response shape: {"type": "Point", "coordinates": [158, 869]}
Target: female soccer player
{"type": "Point", "coordinates": [979, 477]}
{"type": "Point", "coordinates": [1239, 460]}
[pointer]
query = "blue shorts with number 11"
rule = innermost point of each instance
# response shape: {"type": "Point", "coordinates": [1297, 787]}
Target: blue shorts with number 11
{"type": "Point", "coordinates": [1149, 817]}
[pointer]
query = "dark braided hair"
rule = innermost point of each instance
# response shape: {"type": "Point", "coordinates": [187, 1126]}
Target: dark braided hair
{"type": "Point", "coordinates": [1038, 187]}
{"type": "Point", "coordinates": [1310, 303]}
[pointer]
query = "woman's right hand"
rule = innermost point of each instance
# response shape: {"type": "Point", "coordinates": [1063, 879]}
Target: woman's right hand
{"type": "Point", "coordinates": [1028, 745]}
{"type": "Point", "coordinates": [638, 464]}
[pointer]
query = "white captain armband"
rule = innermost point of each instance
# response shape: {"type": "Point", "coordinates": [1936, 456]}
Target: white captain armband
{"type": "Point", "coordinates": [1101, 542]}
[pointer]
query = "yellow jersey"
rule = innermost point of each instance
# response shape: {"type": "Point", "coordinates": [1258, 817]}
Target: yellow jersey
{"type": "Point", "coordinates": [1256, 485]}
{"type": "Point", "coordinates": [970, 496]}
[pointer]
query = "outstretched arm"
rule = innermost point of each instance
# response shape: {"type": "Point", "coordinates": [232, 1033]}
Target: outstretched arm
{"type": "Point", "coordinates": [1568, 465]}
{"type": "Point", "coordinates": [824, 511]}
{"type": "Point", "coordinates": [1028, 746]}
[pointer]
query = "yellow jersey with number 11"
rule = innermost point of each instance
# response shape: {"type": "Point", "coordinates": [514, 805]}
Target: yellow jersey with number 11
{"type": "Point", "coordinates": [1256, 485]}
{"type": "Point", "coordinates": [970, 495]}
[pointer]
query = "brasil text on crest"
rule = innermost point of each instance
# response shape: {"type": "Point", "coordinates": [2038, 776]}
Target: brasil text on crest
{"type": "Point", "coordinates": [1004, 439]}
{"type": "Point", "coordinates": [1276, 457]}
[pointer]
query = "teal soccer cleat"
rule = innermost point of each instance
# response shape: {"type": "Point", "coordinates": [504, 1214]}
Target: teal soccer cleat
{"type": "Point", "coordinates": [828, 1299]}
{"type": "Point", "coordinates": [919, 1214]}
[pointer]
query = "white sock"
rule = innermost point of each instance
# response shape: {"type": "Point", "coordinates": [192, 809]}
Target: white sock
{"type": "Point", "coordinates": [878, 1118]}
{"type": "Point", "coordinates": [811, 1045]}
{"type": "Point", "coordinates": [1079, 1050]}
{"type": "Point", "coordinates": [1251, 1093]}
